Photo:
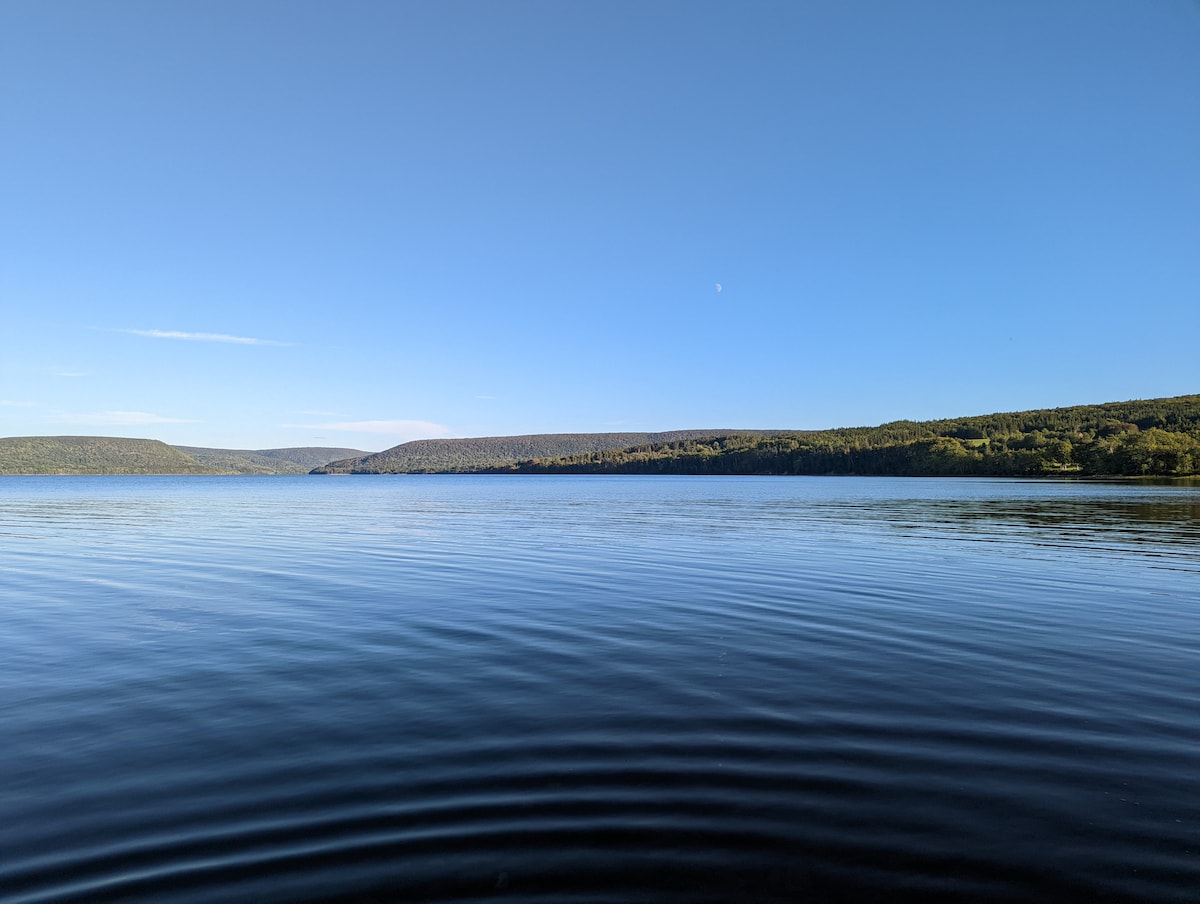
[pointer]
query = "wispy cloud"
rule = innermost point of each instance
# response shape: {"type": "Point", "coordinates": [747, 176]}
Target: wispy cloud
{"type": "Point", "coordinates": [399, 429]}
{"type": "Point", "coordinates": [202, 337]}
{"type": "Point", "coordinates": [70, 374]}
{"type": "Point", "coordinates": [118, 419]}
{"type": "Point", "coordinates": [8, 403]}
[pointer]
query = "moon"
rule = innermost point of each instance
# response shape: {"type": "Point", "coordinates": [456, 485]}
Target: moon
{"type": "Point", "coordinates": [720, 288]}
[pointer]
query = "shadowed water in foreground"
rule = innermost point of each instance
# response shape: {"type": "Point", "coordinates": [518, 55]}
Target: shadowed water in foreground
{"type": "Point", "coordinates": [598, 689]}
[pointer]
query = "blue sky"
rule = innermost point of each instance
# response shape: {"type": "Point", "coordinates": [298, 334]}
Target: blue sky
{"type": "Point", "coordinates": [260, 224]}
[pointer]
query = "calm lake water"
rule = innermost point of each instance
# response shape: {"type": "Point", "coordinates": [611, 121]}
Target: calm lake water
{"type": "Point", "coordinates": [598, 689]}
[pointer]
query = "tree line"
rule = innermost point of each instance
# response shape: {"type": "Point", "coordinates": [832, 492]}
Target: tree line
{"type": "Point", "coordinates": [1157, 437]}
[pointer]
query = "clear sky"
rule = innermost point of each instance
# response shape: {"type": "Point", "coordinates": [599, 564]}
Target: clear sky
{"type": "Point", "coordinates": [257, 224]}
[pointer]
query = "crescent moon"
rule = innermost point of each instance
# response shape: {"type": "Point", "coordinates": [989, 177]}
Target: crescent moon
{"type": "Point", "coordinates": [720, 287]}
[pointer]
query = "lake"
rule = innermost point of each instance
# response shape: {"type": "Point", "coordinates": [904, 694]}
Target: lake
{"type": "Point", "coordinates": [590, 689]}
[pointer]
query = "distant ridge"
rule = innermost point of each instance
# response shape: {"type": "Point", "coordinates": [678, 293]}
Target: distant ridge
{"type": "Point", "coordinates": [299, 460]}
{"type": "Point", "coordinates": [429, 456]}
{"type": "Point", "coordinates": [1140, 438]}
{"type": "Point", "coordinates": [93, 455]}
{"type": "Point", "coordinates": [123, 455]}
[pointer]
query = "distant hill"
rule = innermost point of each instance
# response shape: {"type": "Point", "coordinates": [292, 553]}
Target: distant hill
{"type": "Point", "coordinates": [267, 461]}
{"type": "Point", "coordinates": [120, 455]}
{"type": "Point", "coordinates": [93, 455]}
{"type": "Point", "coordinates": [427, 456]}
{"type": "Point", "coordinates": [1142, 438]}
{"type": "Point", "coordinates": [1139, 438]}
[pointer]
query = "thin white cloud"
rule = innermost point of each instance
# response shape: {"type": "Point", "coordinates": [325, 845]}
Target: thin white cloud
{"type": "Point", "coordinates": [485, 398]}
{"type": "Point", "coordinates": [71, 374]}
{"type": "Point", "coordinates": [7, 403]}
{"type": "Point", "coordinates": [202, 337]}
{"type": "Point", "coordinates": [402, 429]}
{"type": "Point", "coordinates": [118, 419]}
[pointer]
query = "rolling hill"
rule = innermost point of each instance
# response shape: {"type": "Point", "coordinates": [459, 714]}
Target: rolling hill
{"type": "Point", "coordinates": [267, 461]}
{"type": "Point", "coordinates": [1142, 438]}
{"type": "Point", "coordinates": [1139, 438]}
{"type": "Point", "coordinates": [121, 455]}
{"type": "Point", "coordinates": [93, 455]}
{"type": "Point", "coordinates": [430, 456]}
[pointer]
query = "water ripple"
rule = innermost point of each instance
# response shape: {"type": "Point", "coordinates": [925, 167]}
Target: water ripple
{"type": "Point", "coordinates": [598, 690]}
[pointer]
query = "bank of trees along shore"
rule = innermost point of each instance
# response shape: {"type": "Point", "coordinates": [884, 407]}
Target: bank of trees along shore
{"type": "Point", "coordinates": [1158, 437]}
{"type": "Point", "coordinates": [466, 455]}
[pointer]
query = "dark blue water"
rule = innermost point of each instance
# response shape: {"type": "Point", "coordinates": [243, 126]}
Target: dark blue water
{"type": "Point", "coordinates": [598, 689]}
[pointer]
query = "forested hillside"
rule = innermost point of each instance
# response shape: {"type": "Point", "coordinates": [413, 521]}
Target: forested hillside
{"type": "Point", "coordinates": [1157, 437]}
{"type": "Point", "coordinates": [120, 455]}
{"type": "Point", "coordinates": [427, 456]}
{"type": "Point", "coordinates": [267, 461]}
{"type": "Point", "coordinates": [93, 455]}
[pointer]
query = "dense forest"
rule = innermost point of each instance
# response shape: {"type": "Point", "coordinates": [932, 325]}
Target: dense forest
{"type": "Point", "coordinates": [1157, 437]}
{"type": "Point", "coordinates": [438, 456]}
